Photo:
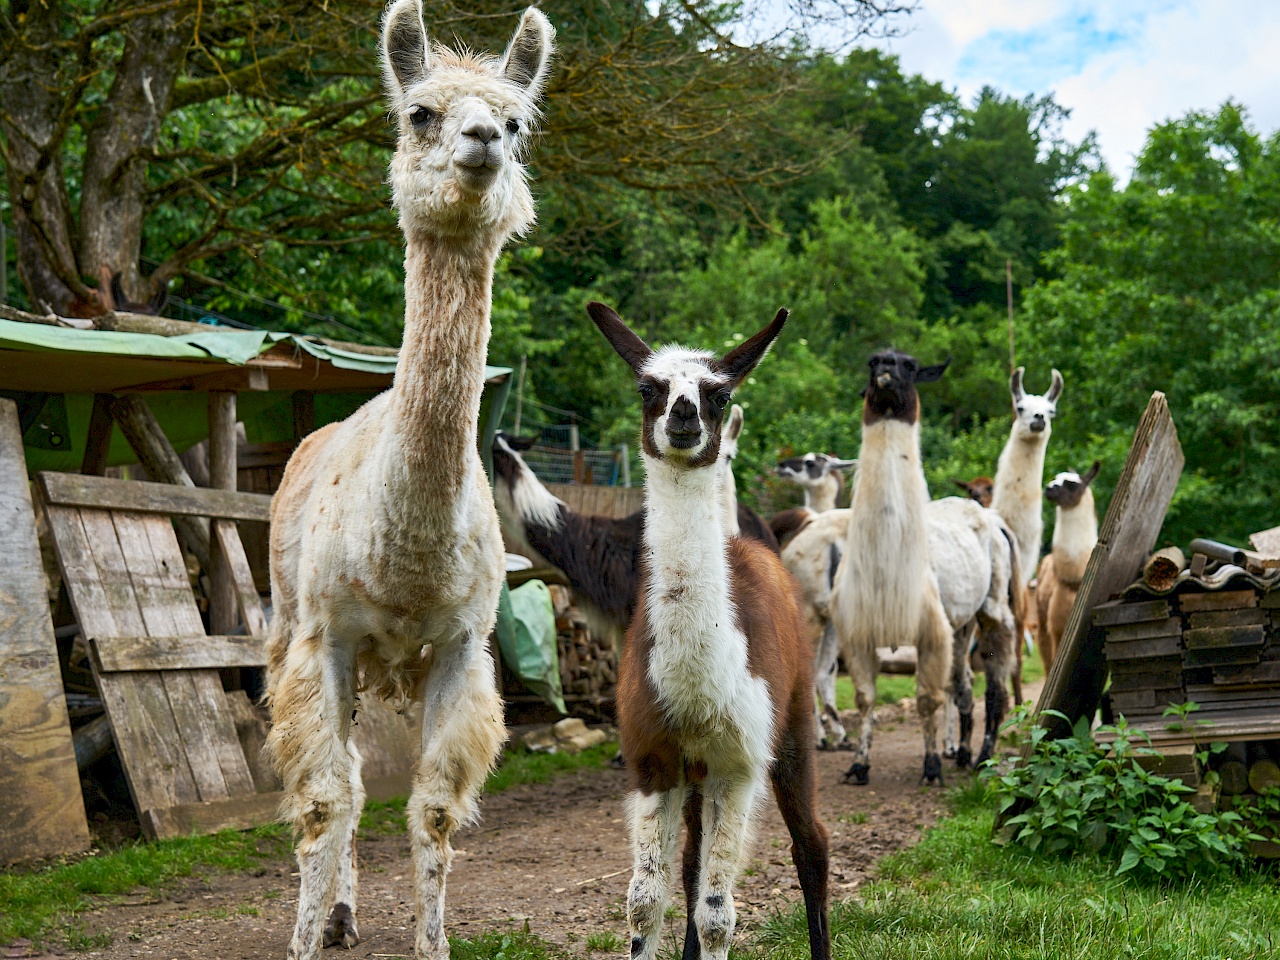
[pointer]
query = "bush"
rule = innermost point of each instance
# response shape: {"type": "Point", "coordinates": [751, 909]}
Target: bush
{"type": "Point", "coordinates": [1076, 795]}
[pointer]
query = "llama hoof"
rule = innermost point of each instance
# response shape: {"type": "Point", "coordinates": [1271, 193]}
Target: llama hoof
{"type": "Point", "coordinates": [964, 757]}
{"type": "Point", "coordinates": [341, 930]}
{"type": "Point", "coordinates": [983, 757]}
{"type": "Point", "coordinates": [859, 774]}
{"type": "Point", "coordinates": [949, 753]}
{"type": "Point", "coordinates": [846, 744]}
{"type": "Point", "coordinates": [932, 769]}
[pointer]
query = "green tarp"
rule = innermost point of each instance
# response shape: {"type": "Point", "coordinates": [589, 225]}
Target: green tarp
{"type": "Point", "coordinates": [527, 638]}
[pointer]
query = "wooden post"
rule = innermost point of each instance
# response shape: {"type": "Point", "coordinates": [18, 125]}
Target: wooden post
{"type": "Point", "coordinates": [520, 394]}
{"type": "Point", "coordinates": [156, 453]}
{"type": "Point", "coordinates": [222, 476]}
{"type": "Point", "coordinates": [626, 465]}
{"type": "Point", "coordinates": [98, 442]}
{"type": "Point", "coordinates": [304, 414]}
{"type": "Point", "coordinates": [41, 809]}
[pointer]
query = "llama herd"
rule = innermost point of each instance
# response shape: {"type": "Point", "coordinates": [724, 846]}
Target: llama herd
{"type": "Point", "coordinates": [387, 560]}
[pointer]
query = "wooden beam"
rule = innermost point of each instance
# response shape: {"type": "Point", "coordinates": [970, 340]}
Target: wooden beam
{"type": "Point", "coordinates": [1129, 531]}
{"type": "Point", "coordinates": [222, 476]}
{"type": "Point", "coordinates": [156, 454]}
{"type": "Point", "coordinates": [41, 810]}
{"type": "Point", "coordinates": [140, 496]}
{"type": "Point", "coordinates": [304, 413]}
{"type": "Point", "coordinates": [241, 813]}
{"type": "Point", "coordinates": [97, 444]}
{"type": "Point", "coordinates": [124, 654]}
{"type": "Point", "coordinates": [248, 603]}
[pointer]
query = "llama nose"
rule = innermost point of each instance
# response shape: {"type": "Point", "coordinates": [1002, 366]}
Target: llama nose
{"type": "Point", "coordinates": [480, 128]}
{"type": "Point", "coordinates": [1037, 424]}
{"type": "Point", "coordinates": [683, 418]}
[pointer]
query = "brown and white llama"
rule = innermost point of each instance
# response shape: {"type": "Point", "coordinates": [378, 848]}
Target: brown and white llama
{"type": "Point", "coordinates": [1075, 534]}
{"type": "Point", "coordinates": [979, 489]}
{"type": "Point", "coordinates": [917, 572]}
{"type": "Point", "coordinates": [715, 689]}
{"type": "Point", "coordinates": [386, 555]}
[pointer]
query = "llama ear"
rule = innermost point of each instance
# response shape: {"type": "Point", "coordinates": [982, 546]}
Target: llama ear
{"type": "Point", "coordinates": [932, 374]}
{"type": "Point", "coordinates": [404, 46]}
{"type": "Point", "coordinates": [1015, 385]}
{"type": "Point", "coordinates": [742, 359]}
{"type": "Point", "coordinates": [961, 484]}
{"type": "Point", "coordinates": [621, 337]}
{"type": "Point", "coordinates": [528, 57]}
{"type": "Point", "coordinates": [836, 464]}
{"type": "Point", "coordinates": [1093, 472]}
{"type": "Point", "coordinates": [733, 425]}
{"type": "Point", "coordinates": [1055, 390]}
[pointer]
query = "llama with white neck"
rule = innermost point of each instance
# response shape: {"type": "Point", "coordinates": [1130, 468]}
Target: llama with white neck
{"type": "Point", "coordinates": [1075, 534]}
{"type": "Point", "coordinates": [715, 688]}
{"type": "Point", "coordinates": [819, 476]}
{"type": "Point", "coordinates": [386, 556]}
{"type": "Point", "coordinates": [1020, 472]}
{"type": "Point", "coordinates": [917, 572]}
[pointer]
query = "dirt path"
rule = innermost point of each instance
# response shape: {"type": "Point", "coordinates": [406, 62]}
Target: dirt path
{"type": "Point", "coordinates": [555, 856]}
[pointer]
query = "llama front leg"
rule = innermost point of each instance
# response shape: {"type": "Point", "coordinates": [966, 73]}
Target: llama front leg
{"type": "Point", "coordinates": [312, 704]}
{"type": "Point", "coordinates": [933, 666]}
{"type": "Point", "coordinates": [726, 815]}
{"type": "Point", "coordinates": [826, 668]}
{"type": "Point", "coordinates": [999, 653]}
{"type": "Point", "coordinates": [863, 666]}
{"type": "Point", "coordinates": [655, 830]}
{"type": "Point", "coordinates": [462, 734]}
{"type": "Point", "coordinates": [341, 930]}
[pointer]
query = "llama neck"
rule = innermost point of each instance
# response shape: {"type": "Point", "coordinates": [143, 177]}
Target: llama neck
{"type": "Point", "coordinates": [1075, 532]}
{"type": "Point", "coordinates": [687, 596]}
{"type": "Point", "coordinates": [1020, 472]}
{"type": "Point", "coordinates": [821, 496]}
{"type": "Point", "coordinates": [729, 498]}
{"type": "Point", "coordinates": [435, 398]}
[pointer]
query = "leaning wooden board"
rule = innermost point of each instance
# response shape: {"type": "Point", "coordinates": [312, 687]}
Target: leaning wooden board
{"type": "Point", "coordinates": [41, 809]}
{"type": "Point", "coordinates": [1134, 517]}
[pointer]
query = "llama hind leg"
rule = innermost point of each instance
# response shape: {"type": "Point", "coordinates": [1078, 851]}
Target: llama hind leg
{"type": "Point", "coordinates": [655, 830]}
{"type": "Point", "coordinates": [795, 787]}
{"type": "Point", "coordinates": [826, 668]}
{"type": "Point", "coordinates": [933, 666]}
{"type": "Point", "coordinates": [726, 814]}
{"type": "Point", "coordinates": [999, 645]}
{"type": "Point", "coordinates": [341, 930]}
{"type": "Point", "coordinates": [691, 868]}
{"type": "Point", "coordinates": [959, 701]}
{"type": "Point", "coordinates": [312, 702]}
{"type": "Point", "coordinates": [462, 733]}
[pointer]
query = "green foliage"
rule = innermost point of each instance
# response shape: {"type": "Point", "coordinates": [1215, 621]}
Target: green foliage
{"type": "Point", "coordinates": [1077, 795]}
{"type": "Point", "coordinates": [1171, 283]}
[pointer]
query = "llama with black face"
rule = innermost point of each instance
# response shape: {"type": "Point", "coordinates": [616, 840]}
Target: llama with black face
{"type": "Point", "coordinates": [715, 688]}
{"type": "Point", "coordinates": [916, 572]}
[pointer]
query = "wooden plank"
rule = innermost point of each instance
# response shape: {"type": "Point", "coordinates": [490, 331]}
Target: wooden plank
{"type": "Point", "coordinates": [1118, 612]}
{"type": "Point", "coordinates": [1220, 656]}
{"type": "Point", "coordinates": [1142, 649]}
{"type": "Point", "coordinates": [1169, 627]}
{"type": "Point", "coordinates": [1129, 531]}
{"type": "Point", "coordinates": [123, 654]}
{"type": "Point", "coordinates": [1241, 617]}
{"type": "Point", "coordinates": [1223, 600]}
{"type": "Point", "coordinates": [42, 813]}
{"type": "Point", "coordinates": [1266, 542]}
{"type": "Point", "coordinates": [1208, 693]}
{"type": "Point", "coordinates": [1216, 637]}
{"type": "Point", "coordinates": [156, 453]}
{"type": "Point", "coordinates": [222, 476]}
{"type": "Point", "coordinates": [1239, 722]}
{"type": "Point", "coordinates": [242, 813]}
{"type": "Point", "coordinates": [97, 443]}
{"type": "Point", "coordinates": [140, 496]}
{"type": "Point", "coordinates": [1266, 672]}
{"type": "Point", "coordinates": [195, 733]}
{"type": "Point", "coordinates": [248, 602]}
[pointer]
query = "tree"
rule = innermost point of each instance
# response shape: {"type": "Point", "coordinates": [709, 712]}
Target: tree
{"type": "Point", "coordinates": [200, 132]}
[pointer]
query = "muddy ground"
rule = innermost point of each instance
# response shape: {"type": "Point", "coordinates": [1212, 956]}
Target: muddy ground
{"type": "Point", "coordinates": [554, 856]}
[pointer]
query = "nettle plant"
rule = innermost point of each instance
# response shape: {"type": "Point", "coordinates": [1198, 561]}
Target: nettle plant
{"type": "Point", "coordinates": [1076, 794]}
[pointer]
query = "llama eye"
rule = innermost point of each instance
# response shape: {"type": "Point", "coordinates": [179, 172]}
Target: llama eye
{"type": "Point", "coordinates": [647, 392]}
{"type": "Point", "coordinates": [1019, 409]}
{"type": "Point", "coordinates": [421, 116]}
{"type": "Point", "coordinates": [513, 126]}
{"type": "Point", "coordinates": [721, 400]}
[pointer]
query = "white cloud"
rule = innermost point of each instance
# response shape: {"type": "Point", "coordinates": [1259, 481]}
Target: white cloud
{"type": "Point", "coordinates": [1120, 68]}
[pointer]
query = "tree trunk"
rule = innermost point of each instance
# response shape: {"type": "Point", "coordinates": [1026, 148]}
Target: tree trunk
{"type": "Point", "coordinates": [112, 205]}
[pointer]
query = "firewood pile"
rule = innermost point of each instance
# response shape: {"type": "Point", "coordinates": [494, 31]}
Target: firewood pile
{"type": "Point", "coordinates": [588, 662]}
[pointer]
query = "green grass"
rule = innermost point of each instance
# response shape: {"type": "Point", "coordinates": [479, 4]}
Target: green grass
{"type": "Point", "coordinates": [890, 688]}
{"type": "Point", "coordinates": [956, 895]}
{"type": "Point", "coordinates": [36, 905]}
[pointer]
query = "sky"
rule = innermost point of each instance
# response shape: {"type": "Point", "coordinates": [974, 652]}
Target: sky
{"type": "Point", "coordinates": [1120, 66]}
